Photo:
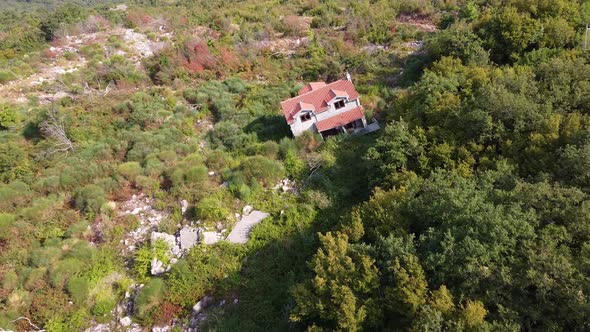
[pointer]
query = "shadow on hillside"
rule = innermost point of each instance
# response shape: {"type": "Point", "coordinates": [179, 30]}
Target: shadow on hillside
{"type": "Point", "coordinates": [268, 275]}
{"type": "Point", "coordinates": [269, 128]}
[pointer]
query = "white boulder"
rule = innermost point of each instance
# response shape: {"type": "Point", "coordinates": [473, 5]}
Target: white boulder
{"type": "Point", "coordinates": [125, 321]}
{"type": "Point", "coordinates": [247, 209]}
{"type": "Point", "coordinates": [157, 267]}
{"type": "Point", "coordinates": [188, 237]}
{"type": "Point", "coordinates": [183, 206]}
{"type": "Point", "coordinates": [202, 304]}
{"type": "Point", "coordinates": [210, 237]}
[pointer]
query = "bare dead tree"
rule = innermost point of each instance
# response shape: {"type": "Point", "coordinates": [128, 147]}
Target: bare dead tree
{"type": "Point", "coordinates": [314, 163]}
{"type": "Point", "coordinates": [194, 107]}
{"type": "Point", "coordinates": [29, 321]}
{"type": "Point", "coordinates": [53, 128]}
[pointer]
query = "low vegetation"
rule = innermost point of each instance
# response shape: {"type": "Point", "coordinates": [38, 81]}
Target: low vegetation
{"type": "Point", "coordinates": [468, 211]}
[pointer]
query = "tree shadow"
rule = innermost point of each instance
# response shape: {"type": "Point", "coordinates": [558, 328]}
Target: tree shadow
{"type": "Point", "coordinates": [266, 277]}
{"type": "Point", "coordinates": [269, 128]}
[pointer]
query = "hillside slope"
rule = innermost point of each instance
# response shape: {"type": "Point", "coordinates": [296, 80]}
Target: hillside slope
{"type": "Point", "coordinates": [129, 132]}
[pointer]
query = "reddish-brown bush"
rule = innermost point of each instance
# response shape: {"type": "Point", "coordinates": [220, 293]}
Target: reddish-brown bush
{"type": "Point", "coordinates": [139, 18]}
{"type": "Point", "coordinates": [167, 313]}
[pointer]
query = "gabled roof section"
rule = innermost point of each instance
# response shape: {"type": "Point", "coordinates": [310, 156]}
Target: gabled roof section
{"type": "Point", "coordinates": [319, 97]}
{"type": "Point", "coordinates": [311, 86]}
{"type": "Point", "coordinates": [337, 93]}
{"type": "Point", "coordinates": [301, 106]}
{"type": "Point", "coordinates": [341, 119]}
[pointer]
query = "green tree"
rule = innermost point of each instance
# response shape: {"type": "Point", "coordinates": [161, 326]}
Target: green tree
{"type": "Point", "coordinates": [8, 116]}
{"type": "Point", "coordinates": [340, 293]}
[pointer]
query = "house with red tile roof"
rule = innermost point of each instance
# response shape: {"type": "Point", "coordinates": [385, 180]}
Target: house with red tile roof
{"type": "Point", "coordinates": [329, 109]}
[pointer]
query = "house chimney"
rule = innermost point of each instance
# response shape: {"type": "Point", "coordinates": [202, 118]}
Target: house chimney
{"type": "Point", "coordinates": [348, 76]}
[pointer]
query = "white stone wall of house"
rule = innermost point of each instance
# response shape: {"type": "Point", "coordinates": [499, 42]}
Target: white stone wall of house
{"type": "Point", "coordinates": [298, 127]}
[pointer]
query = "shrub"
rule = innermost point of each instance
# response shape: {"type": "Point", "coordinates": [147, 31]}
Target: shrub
{"type": "Point", "coordinates": [14, 162]}
{"type": "Point", "coordinates": [148, 300]}
{"type": "Point", "coordinates": [294, 166]}
{"type": "Point", "coordinates": [63, 270]}
{"type": "Point", "coordinates": [154, 167]}
{"type": "Point", "coordinates": [142, 261]}
{"type": "Point", "coordinates": [196, 174]}
{"type": "Point", "coordinates": [10, 281]}
{"type": "Point", "coordinates": [218, 160]}
{"type": "Point", "coordinates": [77, 229]}
{"type": "Point", "coordinates": [147, 184]}
{"type": "Point", "coordinates": [167, 313]}
{"type": "Point", "coordinates": [212, 208]}
{"type": "Point", "coordinates": [90, 198]}
{"type": "Point", "coordinates": [35, 279]}
{"type": "Point", "coordinates": [287, 145]}
{"type": "Point", "coordinates": [81, 251]}
{"type": "Point", "coordinates": [44, 256]}
{"type": "Point", "coordinates": [13, 194]}
{"type": "Point", "coordinates": [8, 116]}
{"type": "Point", "coordinates": [185, 175]}
{"type": "Point", "coordinates": [130, 170]}
{"type": "Point", "coordinates": [270, 149]}
{"type": "Point", "coordinates": [262, 169]}
{"type": "Point", "coordinates": [6, 76]}
{"type": "Point", "coordinates": [77, 287]}
{"type": "Point", "coordinates": [6, 221]}
{"type": "Point", "coordinates": [230, 135]}
{"type": "Point", "coordinates": [105, 303]}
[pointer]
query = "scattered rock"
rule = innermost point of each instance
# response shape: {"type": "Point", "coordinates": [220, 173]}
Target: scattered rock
{"type": "Point", "coordinates": [202, 304]}
{"type": "Point", "coordinates": [247, 209]}
{"type": "Point", "coordinates": [211, 173]}
{"type": "Point", "coordinates": [183, 206]}
{"type": "Point", "coordinates": [210, 237]}
{"type": "Point", "coordinates": [188, 237]}
{"type": "Point", "coordinates": [99, 328]}
{"type": "Point", "coordinates": [157, 267]}
{"type": "Point", "coordinates": [285, 185]}
{"type": "Point", "coordinates": [168, 238]}
{"type": "Point", "coordinates": [125, 321]}
{"type": "Point", "coordinates": [112, 205]}
{"type": "Point", "coordinates": [121, 7]}
{"type": "Point", "coordinates": [161, 328]}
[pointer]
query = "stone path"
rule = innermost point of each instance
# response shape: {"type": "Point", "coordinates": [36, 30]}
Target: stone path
{"type": "Point", "coordinates": [241, 231]}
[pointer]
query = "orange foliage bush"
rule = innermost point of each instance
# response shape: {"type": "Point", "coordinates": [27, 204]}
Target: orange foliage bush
{"type": "Point", "coordinates": [167, 313]}
{"type": "Point", "coordinates": [198, 56]}
{"type": "Point", "coordinates": [139, 18]}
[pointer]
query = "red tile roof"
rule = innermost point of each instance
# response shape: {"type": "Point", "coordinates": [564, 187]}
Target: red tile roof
{"type": "Point", "coordinates": [341, 119]}
{"type": "Point", "coordinates": [318, 96]}
{"type": "Point", "coordinates": [311, 86]}
{"type": "Point", "coordinates": [304, 106]}
{"type": "Point", "coordinates": [337, 93]}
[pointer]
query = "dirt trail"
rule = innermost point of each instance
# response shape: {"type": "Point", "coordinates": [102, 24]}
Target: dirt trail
{"type": "Point", "coordinates": [136, 47]}
{"type": "Point", "coordinates": [421, 22]}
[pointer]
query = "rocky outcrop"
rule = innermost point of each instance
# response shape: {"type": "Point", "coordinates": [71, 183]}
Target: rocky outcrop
{"type": "Point", "coordinates": [241, 231]}
{"type": "Point", "coordinates": [188, 237]}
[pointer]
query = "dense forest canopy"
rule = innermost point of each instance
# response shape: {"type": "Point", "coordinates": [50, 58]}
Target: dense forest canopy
{"type": "Point", "coordinates": [468, 211]}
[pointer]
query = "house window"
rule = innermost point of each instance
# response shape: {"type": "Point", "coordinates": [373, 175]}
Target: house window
{"type": "Point", "coordinates": [339, 104]}
{"type": "Point", "coordinates": [305, 117]}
